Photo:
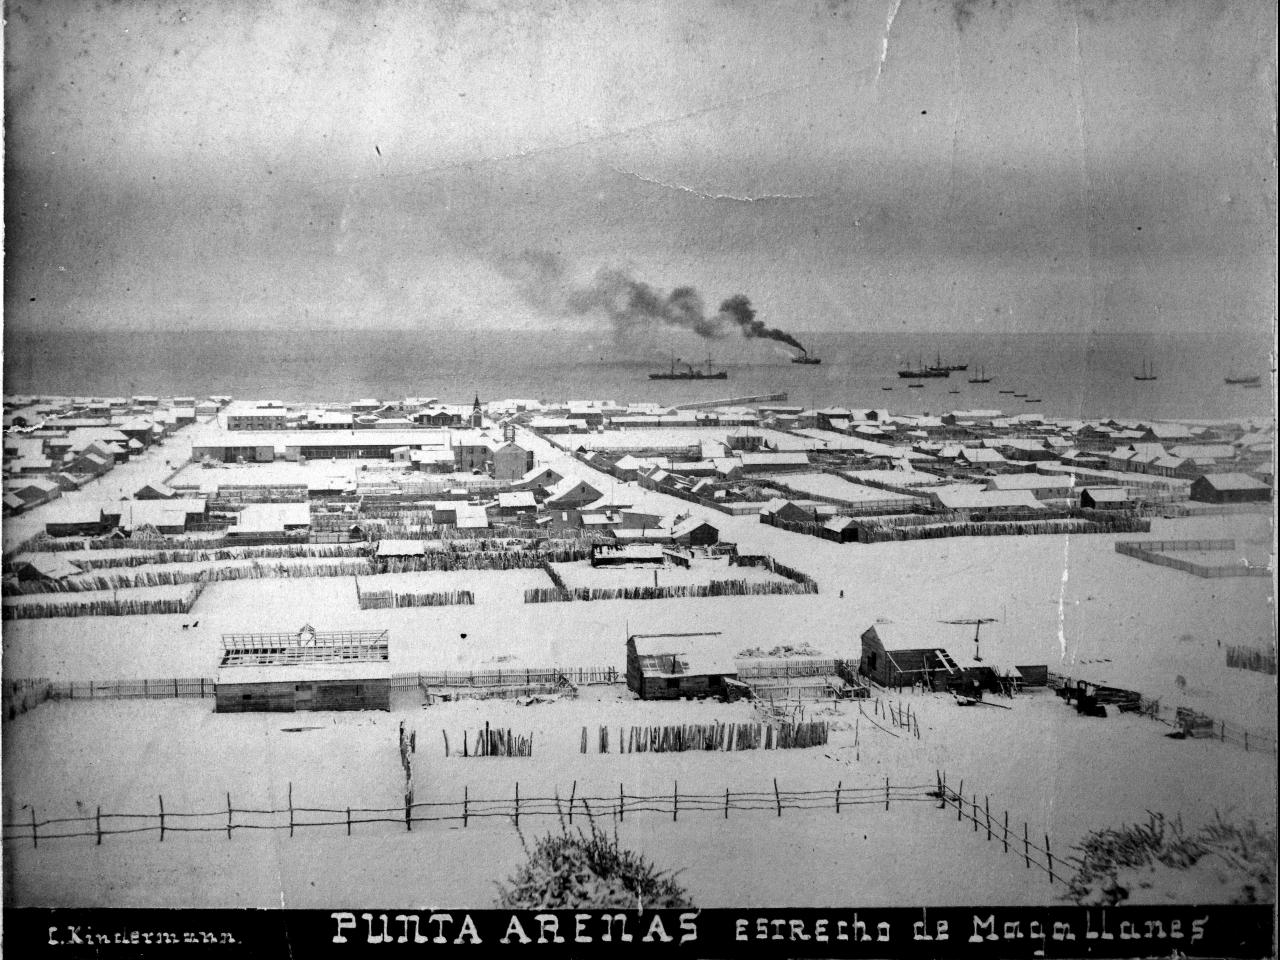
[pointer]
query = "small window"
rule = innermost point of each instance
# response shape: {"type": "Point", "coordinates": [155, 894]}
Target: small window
{"type": "Point", "coordinates": [246, 696]}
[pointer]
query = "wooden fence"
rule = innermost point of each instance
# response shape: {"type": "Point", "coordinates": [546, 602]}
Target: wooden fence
{"type": "Point", "coordinates": [492, 742]}
{"type": "Point", "coordinates": [227, 820]}
{"type": "Point", "coordinates": [997, 830]}
{"type": "Point", "coordinates": [67, 605]}
{"type": "Point", "coordinates": [711, 736]}
{"type": "Point", "coordinates": [715, 588]}
{"type": "Point", "coordinates": [1152, 551]}
{"type": "Point", "coordinates": [510, 676]}
{"type": "Point", "coordinates": [387, 599]}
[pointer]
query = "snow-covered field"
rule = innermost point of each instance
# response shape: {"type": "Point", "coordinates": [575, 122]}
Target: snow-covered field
{"type": "Point", "coordinates": [1058, 772]}
{"type": "Point", "coordinates": [1069, 601]}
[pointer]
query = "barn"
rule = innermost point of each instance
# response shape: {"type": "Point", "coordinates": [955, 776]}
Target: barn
{"type": "Point", "coordinates": [306, 670]}
{"type": "Point", "coordinates": [1229, 488]}
{"type": "Point", "coordinates": [670, 666]}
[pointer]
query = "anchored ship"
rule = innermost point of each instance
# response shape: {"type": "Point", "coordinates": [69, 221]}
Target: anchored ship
{"type": "Point", "coordinates": [690, 373]}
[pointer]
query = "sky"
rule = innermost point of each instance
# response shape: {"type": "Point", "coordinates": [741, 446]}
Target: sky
{"type": "Point", "coordinates": [889, 165]}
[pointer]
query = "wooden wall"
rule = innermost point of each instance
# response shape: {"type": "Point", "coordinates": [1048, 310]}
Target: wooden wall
{"type": "Point", "coordinates": [283, 697]}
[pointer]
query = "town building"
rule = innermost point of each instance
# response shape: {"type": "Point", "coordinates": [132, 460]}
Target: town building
{"type": "Point", "coordinates": [307, 670]}
{"type": "Point", "coordinates": [672, 666]}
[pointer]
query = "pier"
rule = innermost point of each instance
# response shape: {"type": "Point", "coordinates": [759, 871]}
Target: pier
{"type": "Point", "coordinates": [732, 401]}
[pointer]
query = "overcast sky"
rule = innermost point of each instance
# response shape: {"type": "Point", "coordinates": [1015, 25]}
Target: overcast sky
{"type": "Point", "coordinates": [922, 165]}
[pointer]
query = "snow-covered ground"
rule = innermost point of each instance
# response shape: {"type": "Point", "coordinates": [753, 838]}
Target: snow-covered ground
{"type": "Point", "coordinates": [1069, 601]}
{"type": "Point", "coordinates": [1048, 767]}
{"type": "Point", "coordinates": [829, 485]}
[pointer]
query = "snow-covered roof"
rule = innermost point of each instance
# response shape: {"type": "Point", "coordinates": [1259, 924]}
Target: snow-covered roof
{"type": "Point", "coordinates": [1234, 481]}
{"type": "Point", "coordinates": [401, 548]}
{"type": "Point", "coordinates": [971, 498]}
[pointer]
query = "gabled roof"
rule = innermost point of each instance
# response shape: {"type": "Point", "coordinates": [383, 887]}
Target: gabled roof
{"type": "Point", "coordinates": [688, 525]}
{"type": "Point", "coordinates": [966, 498]}
{"type": "Point", "coordinates": [1107, 494]}
{"type": "Point", "coordinates": [1233, 481]}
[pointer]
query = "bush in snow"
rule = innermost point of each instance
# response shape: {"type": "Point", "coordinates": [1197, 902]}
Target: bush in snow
{"type": "Point", "coordinates": [572, 869]}
{"type": "Point", "coordinates": [1223, 862]}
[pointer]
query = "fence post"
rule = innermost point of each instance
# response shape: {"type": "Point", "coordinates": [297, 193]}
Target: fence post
{"type": "Point", "coordinates": [1026, 844]}
{"type": "Point", "coordinates": [975, 813]}
{"type": "Point", "coordinates": [777, 796]}
{"type": "Point", "coordinates": [839, 784]}
{"type": "Point", "coordinates": [162, 818]}
{"type": "Point", "coordinates": [986, 802]}
{"type": "Point", "coordinates": [675, 800]}
{"type": "Point", "coordinates": [98, 822]}
{"type": "Point", "coordinates": [348, 821]}
{"type": "Point", "coordinates": [291, 808]}
{"type": "Point", "coordinates": [1006, 831]}
{"type": "Point", "coordinates": [228, 816]}
{"type": "Point", "coordinates": [960, 802]}
{"type": "Point", "coordinates": [446, 742]}
{"type": "Point", "coordinates": [1049, 854]}
{"type": "Point", "coordinates": [622, 804]}
{"type": "Point", "coordinates": [886, 793]}
{"type": "Point", "coordinates": [517, 803]}
{"type": "Point", "coordinates": [35, 841]}
{"type": "Point", "coordinates": [726, 803]}
{"type": "Point", "coordinates": [574, 791]}
{"type": "Point", "coordinates": [466, 803]}
{"type": "Point", "coordinates": [175, 687]}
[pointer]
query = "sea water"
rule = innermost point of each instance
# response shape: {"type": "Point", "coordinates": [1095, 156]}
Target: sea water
{"type": "Point", "coordinates": [1074, 375]}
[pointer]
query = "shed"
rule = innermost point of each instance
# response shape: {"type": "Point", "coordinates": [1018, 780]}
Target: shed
{"type": "Point", "coordinates": [674, 665]}
{"type": "Point", "coordinates": [307, 670]}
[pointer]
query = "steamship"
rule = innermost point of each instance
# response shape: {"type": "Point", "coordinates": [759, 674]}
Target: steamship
{"type": "Point", "coordinates": [690, 373]}
{"type": "Point", "coordinates": [805, 358]}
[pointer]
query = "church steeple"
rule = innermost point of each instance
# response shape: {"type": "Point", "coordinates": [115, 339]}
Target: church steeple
{"type": "Point", "coordinates": [477, 415]}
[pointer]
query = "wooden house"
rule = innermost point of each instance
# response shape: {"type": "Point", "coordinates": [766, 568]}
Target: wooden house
{"type": "Point", "coordinates": [74, 517]}
{"type": "Point", "coordinates": [511, 462]}
{"type": "Point", "coordinates": [671, 666]}
{"type": "Point", "coordinates": [900, 654]}
{"type": "Point", "coordinates": [307, 670]}
{"type": "Point", "coordinates": [570, 493]}
{"type": "Point", "coordinates": [1230, 488]}
{"type": "Point", "coordinates": [694, 532]}
{"type": "Point", "coordinates": [1106, 498]}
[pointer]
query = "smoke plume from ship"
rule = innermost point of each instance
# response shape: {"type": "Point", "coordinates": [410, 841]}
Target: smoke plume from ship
{"type": "Point", "coordinates": [631, 304]}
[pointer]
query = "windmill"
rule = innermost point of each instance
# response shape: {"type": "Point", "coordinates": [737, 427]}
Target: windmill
{"type": "Point", "coordinates": [977, 629]}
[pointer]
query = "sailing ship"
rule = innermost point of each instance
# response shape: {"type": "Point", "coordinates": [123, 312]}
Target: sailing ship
{"type": "Point", "coordinates": [947, 368]}
{"type": "Point", "coordinates": [1148, 372]}
{"type": "Point", "coordinates": [691, 373]}
{"type": "Point", "coordinates": [981, 377]}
